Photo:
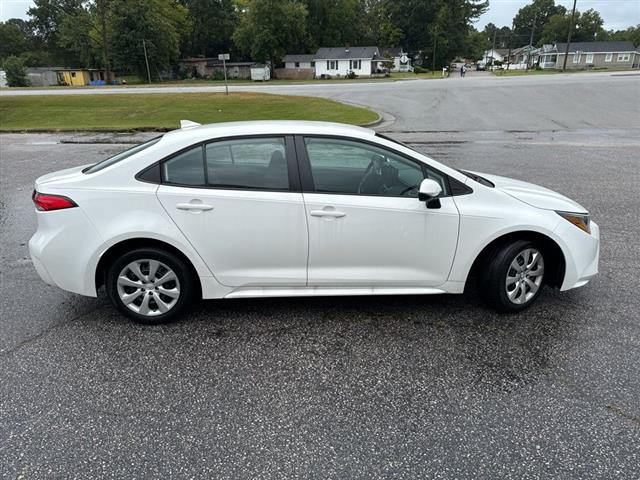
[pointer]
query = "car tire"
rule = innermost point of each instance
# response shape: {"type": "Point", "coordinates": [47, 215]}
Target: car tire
{"type": "Point", "coordinates": [150, 286]}
{"type": "Point", "coordinates": [513, 276]}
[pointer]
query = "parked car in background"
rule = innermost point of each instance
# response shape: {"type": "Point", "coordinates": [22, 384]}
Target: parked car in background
{"type": "Point", "coordinates": [481, 66]}
{"type": "Point", "coordinates": [277, 209]}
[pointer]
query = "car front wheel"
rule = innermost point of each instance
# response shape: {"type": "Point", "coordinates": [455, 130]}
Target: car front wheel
{"type": "Point", "coordinates": [149, 285]}
{"type": "Point", "coordinates": [514, 276]}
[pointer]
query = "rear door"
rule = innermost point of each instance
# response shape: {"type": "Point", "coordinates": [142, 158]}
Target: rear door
{"type": "Point", "coordinates": [366, 224]}
{"type": "Point", "coordinates": [238, 201]}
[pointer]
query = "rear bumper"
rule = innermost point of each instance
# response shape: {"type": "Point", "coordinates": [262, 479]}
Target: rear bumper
{"type": "Point", "coordinates": [61, 249]}
{"type": "Point", "coordinates": [582, 254]}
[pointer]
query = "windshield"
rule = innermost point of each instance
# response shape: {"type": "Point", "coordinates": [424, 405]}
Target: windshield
{"type": "Point", "coordinates": [120, 156]}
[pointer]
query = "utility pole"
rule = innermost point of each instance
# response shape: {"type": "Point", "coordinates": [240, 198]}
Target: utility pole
{"type": "Point", "coordinates": [566, 51]}
{"type": "Point", "coordinates": [435, 42]}
{"type": "Point", "coordinates": [144, 46]}
{"type": "Point", "coordinates": [493, 48]}
{"type": "Point", "coordinates": [533, 29]}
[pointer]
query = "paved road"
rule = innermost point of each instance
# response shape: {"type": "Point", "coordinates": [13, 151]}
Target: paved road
{"type": "Point", "coordinates": [402, 387]}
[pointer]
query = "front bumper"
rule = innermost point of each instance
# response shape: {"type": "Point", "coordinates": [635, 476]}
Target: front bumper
{"type": "Point", "coordinates": [582, 254]}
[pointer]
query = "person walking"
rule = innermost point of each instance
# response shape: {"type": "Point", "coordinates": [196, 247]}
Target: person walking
{"type": "Point", "coordinates": [463, 71]}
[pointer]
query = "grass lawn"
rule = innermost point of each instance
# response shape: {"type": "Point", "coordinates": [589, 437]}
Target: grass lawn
{"type": "Point", "coordinates": [164, 111]}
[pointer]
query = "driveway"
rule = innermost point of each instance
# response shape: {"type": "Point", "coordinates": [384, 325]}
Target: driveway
{"type": "Point", "coordinates": [357, 387]}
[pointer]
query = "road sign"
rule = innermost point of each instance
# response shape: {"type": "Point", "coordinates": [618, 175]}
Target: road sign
{"type": "Point", "coordinates": [223, 56]}
{"type": "Point", "coordinates": [404, 59]}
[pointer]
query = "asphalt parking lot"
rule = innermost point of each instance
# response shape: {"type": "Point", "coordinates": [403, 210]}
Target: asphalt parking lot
{"type": "Point", "coordinates": [356, 387]}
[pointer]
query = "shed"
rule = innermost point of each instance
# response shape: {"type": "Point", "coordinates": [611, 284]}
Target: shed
{"type": "Point", "coordinates": [260, 72]}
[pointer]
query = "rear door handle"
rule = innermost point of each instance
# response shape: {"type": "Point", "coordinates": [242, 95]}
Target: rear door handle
{"type": "Point", "coordinates": [327, 213]}
{"type": "Point", "coordinates": [198, 207]}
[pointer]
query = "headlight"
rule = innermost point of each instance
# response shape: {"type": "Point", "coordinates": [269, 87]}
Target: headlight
{"type": "Point", "coordinates": [580, 220]}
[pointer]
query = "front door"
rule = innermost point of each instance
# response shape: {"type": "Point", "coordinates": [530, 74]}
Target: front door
{"type": "Point", "coordinates": [366, 224]}
{"type": "Point", "coordinates": [237, 203]}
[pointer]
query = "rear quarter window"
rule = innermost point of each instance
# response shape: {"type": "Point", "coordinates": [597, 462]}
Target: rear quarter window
{"type": "Point", "coordinates": [120, 156]}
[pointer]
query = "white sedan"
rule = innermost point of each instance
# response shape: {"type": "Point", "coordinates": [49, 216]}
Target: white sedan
{"type": "Point", "coordinates": [276, 209]}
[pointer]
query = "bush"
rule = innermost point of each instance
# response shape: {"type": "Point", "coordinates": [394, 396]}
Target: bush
{"type": "Point", "coordinates": [16, 73]}
{"type": "Point", "coordinates": [351, 76]}
{"type": "Point", "coordinates": [420, 70]}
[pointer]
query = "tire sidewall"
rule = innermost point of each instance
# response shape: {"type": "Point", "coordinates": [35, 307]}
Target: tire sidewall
{"type": "Point", "coordinates": [497, 271]}
{"type": "Point", "coordinates": [182, 271]}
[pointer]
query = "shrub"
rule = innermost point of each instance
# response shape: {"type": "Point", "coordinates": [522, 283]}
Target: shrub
{"type": "Point", "coordinates": [351, 76]}
{"type": "Point", "coordinates": [420, 70]}
{"type": "Point", "coordinates": [16, 73]}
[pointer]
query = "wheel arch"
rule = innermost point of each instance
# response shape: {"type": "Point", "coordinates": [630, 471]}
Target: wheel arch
{"type": "Point", "coordinates": [551, 249]}
{"type": "Point", "coordinates": [123, 246]}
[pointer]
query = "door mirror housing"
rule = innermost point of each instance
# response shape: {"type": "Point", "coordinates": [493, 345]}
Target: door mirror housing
{"type": "Point", "coordinates": [429, 189]}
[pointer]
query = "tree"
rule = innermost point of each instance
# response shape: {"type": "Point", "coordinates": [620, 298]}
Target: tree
{"type": "Point", "coordinates": [16, 73]}
{"type": "Point", "coordinates": [588, 27]}
{"type": "Point", "coordinates": [74, 36]}
{"type": "Point", "coordinates": [12, 40]}
{"type": "Point", "coordinates": [631, 34]}
{"type": "Point", "coordinates": [332, 23]}
{"type": "Point", "coordinates": [213, 23]}
{"type": "Point", "coordinates": [533, 18]}
{"type": "Point", "coordinates": [268, 29]}
{"type": "Point", "coordinates": [161, 24]}
{"type": "Point", "coordinates": [46, 18]}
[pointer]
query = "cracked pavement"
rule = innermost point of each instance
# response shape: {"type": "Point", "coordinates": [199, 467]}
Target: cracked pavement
{"type": "Point", "coordinates": [347, 387]}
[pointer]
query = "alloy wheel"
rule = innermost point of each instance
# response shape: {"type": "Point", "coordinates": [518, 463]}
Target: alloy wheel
{"type": "Point", "coordinates": [148, 287]}
{"type": "Point", "coordinates": [524, 277]}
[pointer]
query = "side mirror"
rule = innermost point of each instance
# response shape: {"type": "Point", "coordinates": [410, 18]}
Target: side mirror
{"type": "Point", "coordinates": [429, 189]}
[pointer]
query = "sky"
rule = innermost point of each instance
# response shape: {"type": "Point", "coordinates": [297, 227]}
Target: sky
{"type": "Point", "coordinates": [617, 14]}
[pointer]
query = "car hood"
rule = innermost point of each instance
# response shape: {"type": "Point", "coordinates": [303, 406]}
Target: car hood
{"type": "Point", "coordinates": [60, 175]}
{"type": "Point", "coordinates": [534, 195]}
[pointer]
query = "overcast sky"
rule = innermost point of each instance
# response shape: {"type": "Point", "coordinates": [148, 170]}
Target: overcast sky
{"type": "Point", "coordinates": [617, 14]}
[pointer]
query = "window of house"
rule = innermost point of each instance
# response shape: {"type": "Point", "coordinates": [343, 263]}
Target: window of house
{"type": "Point", "coordinates": [255, 163]}
{"type": "Point", "coordinates": [355, 64]}
{"type": "Point", "coordinates": [576, 57]}
{"type": "Point", "coordinates": [297, 64]}
{"type": "Point", "coordinates": [624, 57]}
{"type": "Point", "coordinates": [313, 64]}
{"type": "Point", "coordinates": [589, 58]}
{"type": "Point", "coordinates": [332, 65]}
{"type": "Point", "coordinates": [608, 57]}
{"type": "Point", "coordinates": [73, 74]}
{"type": "Point", "coordinates": [351, 167]}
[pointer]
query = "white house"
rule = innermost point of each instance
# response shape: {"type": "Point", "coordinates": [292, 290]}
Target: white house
{"type": "Point", "coordinates": [495, 54]}
{"type": "Point", "coordinates": [299, 61]}
{"type": "Point", "coordinates": [340, 61]}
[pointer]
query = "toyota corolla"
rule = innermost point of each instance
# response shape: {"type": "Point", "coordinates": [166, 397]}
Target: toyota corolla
{"type": "Point", "coordinates": [277, 209]}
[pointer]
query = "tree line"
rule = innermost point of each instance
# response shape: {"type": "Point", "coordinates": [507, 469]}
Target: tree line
{"type": "Point", "coordinates": [544, 22]}
{"type": "Point", "coordinates": [114, 34]}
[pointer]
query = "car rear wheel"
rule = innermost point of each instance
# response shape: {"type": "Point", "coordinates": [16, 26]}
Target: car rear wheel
{"type": "Point", "coordinates": [149, 285]}
{"type": "Point", "coordinates": [513, 276]}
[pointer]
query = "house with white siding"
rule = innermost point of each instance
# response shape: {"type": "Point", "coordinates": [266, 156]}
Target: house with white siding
{"type": "Point", "coordinates": [299, 61]}
{"type": "Point", "coordinates": [340, 61]}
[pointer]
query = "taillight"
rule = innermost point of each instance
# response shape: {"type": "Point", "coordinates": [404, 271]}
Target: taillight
{"type": "Point", "coordinates": [46, 202]}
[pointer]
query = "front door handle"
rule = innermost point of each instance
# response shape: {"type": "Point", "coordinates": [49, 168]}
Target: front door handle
{"type": "Point", "coordinates": [198, 207]}
{"type": "Point", "coordinates": [327, 213]}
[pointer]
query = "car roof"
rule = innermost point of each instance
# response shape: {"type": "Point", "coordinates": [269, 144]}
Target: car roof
{"type": "Point", "coordinates": [266, 127]}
